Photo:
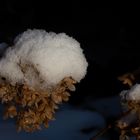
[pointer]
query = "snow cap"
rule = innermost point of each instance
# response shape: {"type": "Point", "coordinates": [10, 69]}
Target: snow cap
{"type": "Point", "coordinates": [134, 92]}
{"type": "Point", "coordinates": [39, 58]}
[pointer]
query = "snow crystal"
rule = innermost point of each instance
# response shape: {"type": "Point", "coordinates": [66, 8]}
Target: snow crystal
{"type": "Point", "coordinates": [41, 57]}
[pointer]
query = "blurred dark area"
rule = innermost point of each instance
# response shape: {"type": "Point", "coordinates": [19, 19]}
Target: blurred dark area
{"type": "Point", "coordinates": [108, 36]}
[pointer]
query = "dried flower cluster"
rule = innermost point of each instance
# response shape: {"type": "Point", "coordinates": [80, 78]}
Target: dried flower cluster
{"type": "Point", "coordinates": [129, 123]}
{"type": "Point", "coordinates": [30, 107]}
{"type": "Point", "coordinates": [36, 74]}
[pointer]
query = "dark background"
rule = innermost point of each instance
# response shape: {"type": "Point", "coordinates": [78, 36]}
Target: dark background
{"type": "Point", "coordinates": [108, 36]}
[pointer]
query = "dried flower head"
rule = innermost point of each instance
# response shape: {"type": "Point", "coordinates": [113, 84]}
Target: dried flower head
{"type": "Point", "coordinates": [129, 123]}
{"type": "Point", "coordinates": [30, 107]}
{"type": "Point", "coordinates": [36, 75]}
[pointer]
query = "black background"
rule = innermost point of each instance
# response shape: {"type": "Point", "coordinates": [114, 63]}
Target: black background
{"type": "Point", "coordinates": [109, 37]}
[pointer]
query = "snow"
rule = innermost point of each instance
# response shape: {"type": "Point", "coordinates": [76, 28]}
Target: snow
{"type": "Point", "coordinates": [53, 56]}
{"type": "Point", "coordinates": [70, 120]}
{"type": "Point", "coordinates": [67, 126]}
{"type": "Point", "coordinates": [108, 107]}
{"type": "Point", "coordinates": [134, 92]}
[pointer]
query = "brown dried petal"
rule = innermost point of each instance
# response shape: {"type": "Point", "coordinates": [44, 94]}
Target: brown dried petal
{"type": "Point", "coordinates": [46, 123]}
{"type": "Point", "coordinates": [65, 97]}
{"type": "Point", "coordinates": [41, 107]}
{"type": "Point", "coordinates": [71, 87]}
{"type": "Point", "coordinates": [10, 112]}
{"type": "Point", "coordinates": [56, 98]}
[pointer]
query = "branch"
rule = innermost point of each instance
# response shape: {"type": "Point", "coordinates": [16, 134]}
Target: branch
{"type": "Point", "coordinates": [101, 132]}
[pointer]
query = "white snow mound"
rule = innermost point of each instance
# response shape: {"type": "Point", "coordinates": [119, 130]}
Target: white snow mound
{"type": "Point", "coordinates": [134, 92]}
{"type": "Point", "coordinates": [43, 59]}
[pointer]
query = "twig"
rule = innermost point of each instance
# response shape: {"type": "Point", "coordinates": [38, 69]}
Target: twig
{"type": "Point", "coordinates": [101, 132]}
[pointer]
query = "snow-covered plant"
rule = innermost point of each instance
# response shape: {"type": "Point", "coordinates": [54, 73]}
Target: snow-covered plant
{"type": "Point", "coordinates": [36, 74]}
{"type": "Point", "coordinates": [129, 123]}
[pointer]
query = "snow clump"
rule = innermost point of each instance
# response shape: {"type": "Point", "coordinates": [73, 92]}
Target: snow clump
{"type": "Point", "coordinates": [42, 59]}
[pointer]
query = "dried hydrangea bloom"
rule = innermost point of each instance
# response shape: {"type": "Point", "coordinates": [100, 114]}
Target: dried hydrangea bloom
{"type": "Point", "coordinates": [37, 74]}
{"type": "Point", "coordinates": [129, 123]}
{"type": "Point", "coordinates": [33, 108]}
